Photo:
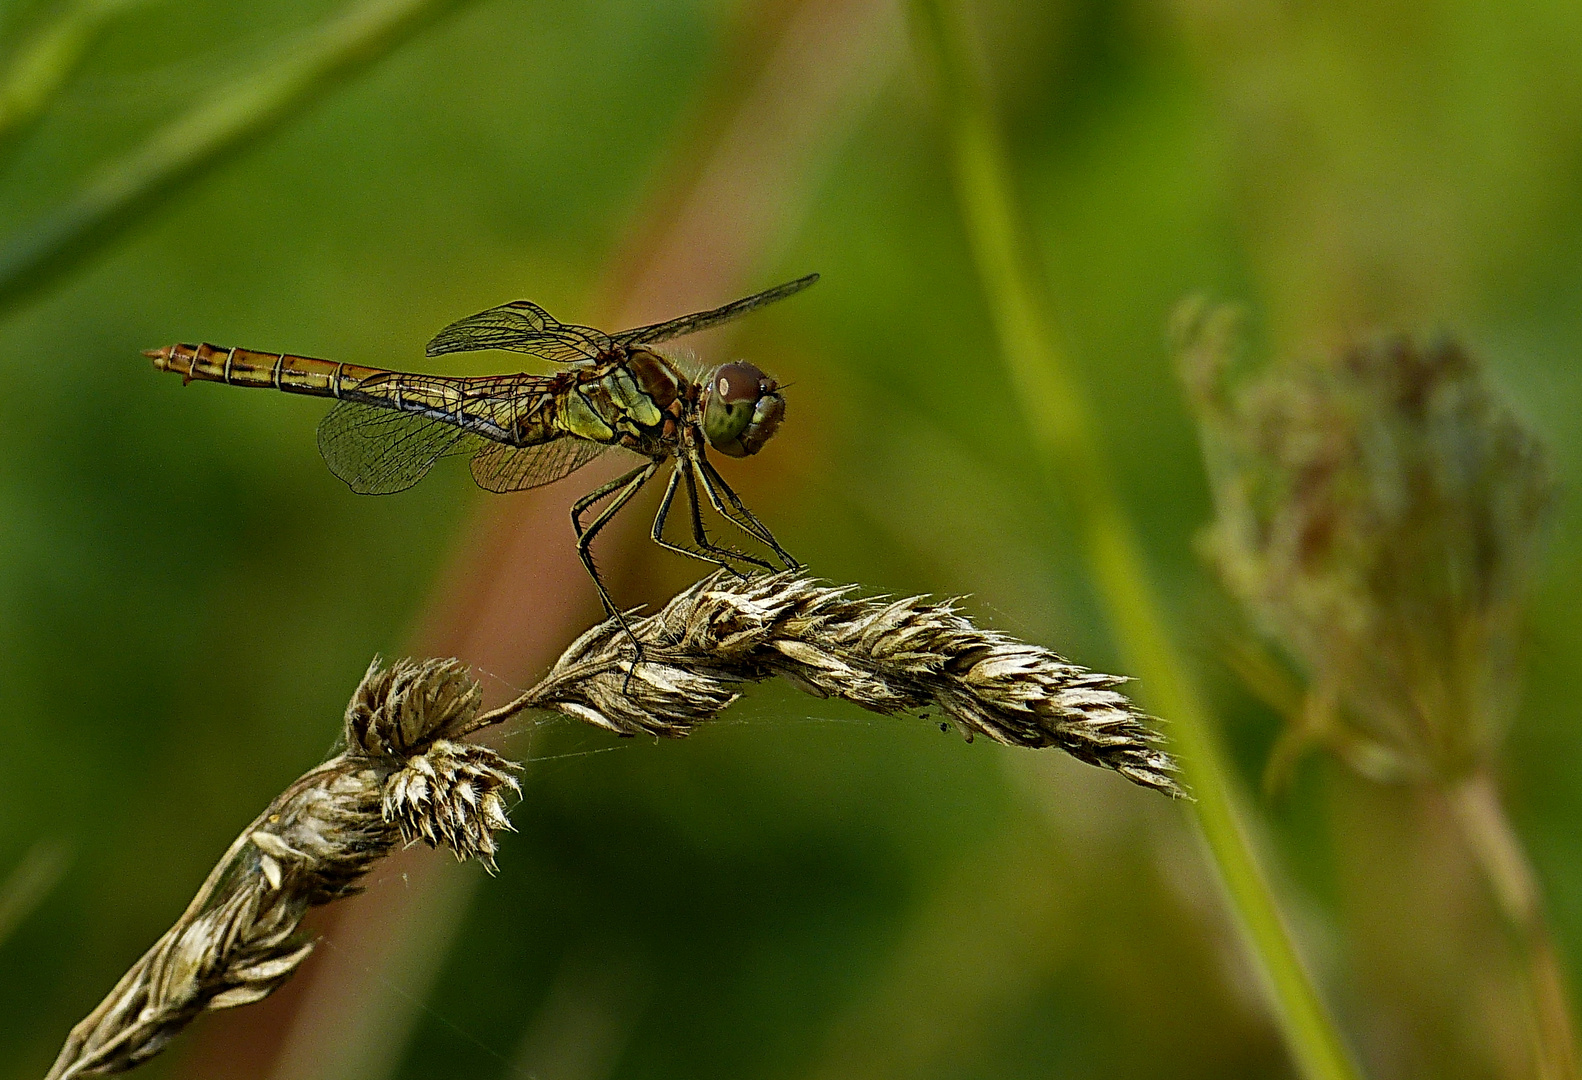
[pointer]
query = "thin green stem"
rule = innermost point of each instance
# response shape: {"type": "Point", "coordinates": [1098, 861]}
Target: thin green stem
{"type": "Point", "coordinates": [1059, 415]}
{"type": "Point", "coordinates": [30, 882]}
{"type": "Point", "coordinates": [250, 107]}
{"type": "Point", "coordinates": [42, 66]}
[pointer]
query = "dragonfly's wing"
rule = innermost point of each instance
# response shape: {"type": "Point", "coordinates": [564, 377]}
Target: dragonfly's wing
{"type": "Point", "coordinates": [377, 451]}
{"type": "Point", "coordinates": [499, 467]}
{"type": "Point", "coordinates": [703, 320]}
{"type": "Point", "coordinates": [525, 327]}
{"type": "Point", "coordinates": [393, 426]}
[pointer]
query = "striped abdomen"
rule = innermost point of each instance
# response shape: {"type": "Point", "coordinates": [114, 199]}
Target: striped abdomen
{"type": "Point", "coordinates": [633, 402]}
{"type": "Point", "coordinates": [243, 367]}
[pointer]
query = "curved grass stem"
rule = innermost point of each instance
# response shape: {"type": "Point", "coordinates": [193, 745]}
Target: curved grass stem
{"type": "Point", "coordinates": [1059, 417]}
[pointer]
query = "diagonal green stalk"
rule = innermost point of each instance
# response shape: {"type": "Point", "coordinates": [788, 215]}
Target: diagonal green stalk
{"type": "Point", "coordinates": [42, 66]}
{"type": "Point", "coordinates": [1060, 418]}
{"type": "Point", "coordinates": [247, 109]}
{"type": "Point", "coordinates": [1478, 809]}
{"type": "Point", "coordinates": [30, 882]}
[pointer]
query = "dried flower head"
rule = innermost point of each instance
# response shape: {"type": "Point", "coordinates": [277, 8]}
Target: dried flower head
{"type": "Point", "coordinates": [453, 794]}
{"type": "Point", "coordinates": [1377, 513]}
{"type": "Point", "coordinates": [442, 791]}
{"type": "Point", "coordinates": [397, 711]}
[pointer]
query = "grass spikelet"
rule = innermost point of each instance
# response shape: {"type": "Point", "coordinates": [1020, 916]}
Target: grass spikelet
{"type": "Point", "coordinates": [888, 656]}
{"type": "Point", "coordinates": [238, 940]}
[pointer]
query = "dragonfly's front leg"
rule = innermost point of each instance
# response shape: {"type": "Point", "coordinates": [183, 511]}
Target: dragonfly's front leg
{"type": "Point", "coordinates": [660, 518]}
{"type": "Point", "coordinates": [714, 484]}
{"type": "Point", "coordinates": [700, 535]}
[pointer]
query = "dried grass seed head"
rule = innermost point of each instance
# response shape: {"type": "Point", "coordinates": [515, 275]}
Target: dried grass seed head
{"type": "Point", "coordinates": [238, 941]}
{"type": "Point", "coordinates": [397, 711]}
{"type": "Point", "coordinates": [453, 794]}
{"type": "Point", "coordinates": [885, 655]}
{"type": "Point", "coordinates": [438, 790]}
{"type": "Point", "coordinates": [404, 774]}
{"type": "Point", "coordinates": [398, 779]}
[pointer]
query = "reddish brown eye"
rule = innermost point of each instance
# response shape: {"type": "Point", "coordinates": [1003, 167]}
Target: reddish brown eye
{"type": "Point", "coordinates": [738, 382]}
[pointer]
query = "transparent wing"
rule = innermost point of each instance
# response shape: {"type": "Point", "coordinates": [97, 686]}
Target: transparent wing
{"type": "Point", "coordinates": [703, 320]}
{"type": "Point", "coordinates": [498, 467]}
{"type": "Point", "coordinates": [377, 451]}
{"type": "Point", "coordinates": [525, 327]}
{"type": "Point", "coordinates": [485, 405]}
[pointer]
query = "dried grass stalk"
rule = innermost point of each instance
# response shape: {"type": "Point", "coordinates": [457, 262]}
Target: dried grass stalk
{"type": "Point", "coordinates": [406, 776]}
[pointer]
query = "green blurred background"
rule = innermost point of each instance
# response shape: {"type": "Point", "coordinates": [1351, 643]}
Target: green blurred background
{"type": "Point", "coordinates": [187, 596]}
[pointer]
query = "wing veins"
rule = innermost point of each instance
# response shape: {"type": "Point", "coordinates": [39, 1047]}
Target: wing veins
{"type": "Point", "coordinates": [500, 468]}
{"type": "Point", "coordinates": [704, 320]}
{"type": "Point", "coordinates": [521, 326]}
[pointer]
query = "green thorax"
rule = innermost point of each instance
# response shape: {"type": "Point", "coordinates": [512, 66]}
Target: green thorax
{"type": "Point", "coordinates": [624, 401]}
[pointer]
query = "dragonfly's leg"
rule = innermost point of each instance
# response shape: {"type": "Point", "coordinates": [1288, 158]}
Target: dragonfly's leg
{"type": "Point", "coordinates": [659, 525]}
{"type": "Point", "coordinates": [716, 487]}
{"type": "Point", "coordinates": [581, 506]}
{"type": "Point", "coordinates": [633, 483]}
{"type": "Point", "coordinates": [758, 529]}
{"type": "Point", "coordinates": [714, 484]}
{"type": "Point", "coordinates": [700, 535]}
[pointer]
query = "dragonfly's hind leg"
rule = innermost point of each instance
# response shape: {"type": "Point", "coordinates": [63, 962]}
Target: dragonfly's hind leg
{"type": "Point", "coordinates": [624, 487]}
{"type": "Point", "coordinates": [714, 485]}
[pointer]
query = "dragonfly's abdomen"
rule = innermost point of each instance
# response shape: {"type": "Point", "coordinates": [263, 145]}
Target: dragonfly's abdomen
{"type": "Point", "coordinates": [243, 367]}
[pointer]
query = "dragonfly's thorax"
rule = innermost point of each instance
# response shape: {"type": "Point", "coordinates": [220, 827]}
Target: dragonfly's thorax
{"type": "Point", "coordinates": [656, 377]}
{"type": "Point", "coordinates": [637, 400]}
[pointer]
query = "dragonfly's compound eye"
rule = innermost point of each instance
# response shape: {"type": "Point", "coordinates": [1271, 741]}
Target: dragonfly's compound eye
{"type": "Point", "coordinates": [741, 409]}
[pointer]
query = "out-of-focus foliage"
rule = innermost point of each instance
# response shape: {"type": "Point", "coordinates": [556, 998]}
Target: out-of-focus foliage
{"type": "Point", "coordinates": [187, 596]}
{"type": "Point", "coordinates": [1378, 513]}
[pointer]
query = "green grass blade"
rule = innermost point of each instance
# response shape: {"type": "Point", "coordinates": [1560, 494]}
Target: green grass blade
{"type": "Point", "coordinates": [1059, 416]}
{"type": "Point", "coordinates": [48, 60]}
{"type": "Point", "coordinates": [128, 190]}
{"type": "Point", "coordinates": [30, 882]}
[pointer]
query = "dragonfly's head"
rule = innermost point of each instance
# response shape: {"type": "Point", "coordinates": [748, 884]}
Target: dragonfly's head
{"type": "Point", "coordinates": [742, 409]}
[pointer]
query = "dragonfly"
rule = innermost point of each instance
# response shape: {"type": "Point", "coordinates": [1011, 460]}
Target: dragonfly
{"type": "Point", "coordinates": [388, 428]}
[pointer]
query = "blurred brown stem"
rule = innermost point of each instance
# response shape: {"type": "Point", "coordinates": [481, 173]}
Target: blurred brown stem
{"type": "Point", "coordinates": [1478, 810]}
